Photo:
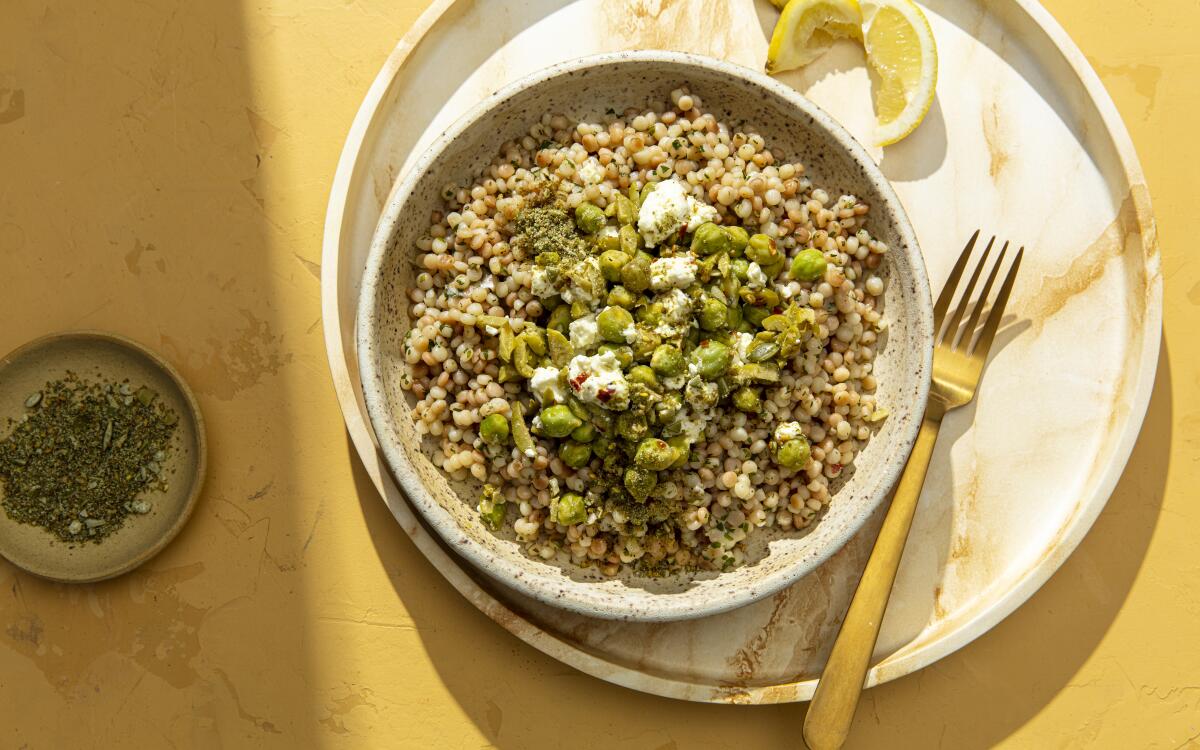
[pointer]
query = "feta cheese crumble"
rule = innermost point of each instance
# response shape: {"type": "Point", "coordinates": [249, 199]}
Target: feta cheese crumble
{"type": "Point", "coordinates": [693, 422]}
{"type": "Point", "coordinates": [576, 293]}
{"type": "Point", "coordinates": [788, 431]}
{"type": "Point", "coordinates": [755, 277]}
{"type": "Point", "coordinates": [676, 314]}
{"type": "Point", "coordinates": [591, 171]}
{"type": "Point", "coordinates": [598, 380]}
{"type": "Point", "coordinates": [584, 332]}
{"type": "Point", "coordinates": [678, 272]}
{"type": "Point", "coordinates": [664, 212]}
{"type": "Point", "coordinates": [547, 386]}
{"type": "Point", "coordinates": [545, 282]}
{"type": "Point", "coordinates": [700, 213]}
{"type": "Point", "coordinates": [740, 342]}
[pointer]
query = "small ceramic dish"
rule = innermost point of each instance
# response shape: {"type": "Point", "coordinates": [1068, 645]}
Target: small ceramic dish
{"type": "Point", "coordinates": [794, 128]}
{"type": "Point", "coordinates": [94, 355]}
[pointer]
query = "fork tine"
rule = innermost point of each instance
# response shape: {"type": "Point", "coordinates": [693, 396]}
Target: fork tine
{"type": "Point", "coordinates": [969, 331]}
{"type": "Point", "coordinates": [993, 322]}
{"type": "Point", "coordinates": [952, 328]}
{"type": "Point", "coordinates": [943, 302]}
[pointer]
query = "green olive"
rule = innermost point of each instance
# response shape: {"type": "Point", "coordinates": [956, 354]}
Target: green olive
{"type": "Point", "coordinates": [569, 509]}
{"type": "Point", "coordinates": [577, 408]}
{"type": "Point", "coordinates": [560, 319]}
{"type": "Point", "coordinates": [668, 361]}
{"type": "Point", "coordinates": [655, 454]}
{"type": "Point", "coordinates": [762, 250]}
{"type": "Point", "coordinates": [733, 317]}
{"type": "Point", "coordinates": [589, 217]}
{"type": "Point", "coordinates": [611, 262]}
{"type": "Point", "coordinates": [711, 359]}
{"type": "Point", "coordinates": [709, 239]}
{"type": "Point", "coordinates": [644, 375]}
{"type": "Point", "coordinates": [808, 265]}
{"type": "Point", "coordinates": [558, 421]}
{"type": "Point", "coordinates": [494, 429]}
{"type": "Point", "coordinates": [747, 399]}
{"type": "Point", "coordinates": [628, 240]}
{"type": "Point", "coordinates": [580, 309]}
{"type": "Point", "coordinates": [534, 340]}
{"type": "Point", "coordinates": [507, 374]}
{"type": "Point", "coordinates": [613, 324]}
{"type": "Point", "coordinates": [621, 297]}
{"type": "Point", "coordinates": [575, 455]}
{"type": "Point", "coordinates": [640, 482]}
{"type": "Point", "coordinates": [627, 211]}
{"type": "Point", "coordinates": [738, 238]}
{"type": "Point", "coordinates": [793, 454]}
{"type": "Point", "coordinates": [560, 348]}
{"type": "Point", "coordinates": [713, 314]}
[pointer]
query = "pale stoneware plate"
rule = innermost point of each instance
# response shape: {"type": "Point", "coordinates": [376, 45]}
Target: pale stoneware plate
{"type": "Point", "coordinates": [93, 355]}
{"type": "Point", "coordinates": [1023, 140]}
{"type": "Point", "coordinates": [795, 129]}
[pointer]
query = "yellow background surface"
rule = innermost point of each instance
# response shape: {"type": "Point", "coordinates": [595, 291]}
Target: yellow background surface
{"type": "Point", "coordinates": [165, 167]}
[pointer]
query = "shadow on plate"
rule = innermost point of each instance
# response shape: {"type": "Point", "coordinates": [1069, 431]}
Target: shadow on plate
{"type": "Point", "coordinates": [998, 682]}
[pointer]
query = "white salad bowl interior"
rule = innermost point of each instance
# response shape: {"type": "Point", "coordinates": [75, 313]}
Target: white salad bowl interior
{"type": "Point", "coordinates": [794, 129]}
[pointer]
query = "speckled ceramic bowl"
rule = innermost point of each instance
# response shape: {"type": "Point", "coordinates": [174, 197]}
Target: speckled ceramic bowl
{"type": "Point", "coordinates": [794, 128]}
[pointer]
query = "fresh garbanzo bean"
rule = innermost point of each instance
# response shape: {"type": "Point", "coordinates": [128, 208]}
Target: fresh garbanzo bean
{"type": "Point", "coordinates": [614, 323]}
{"type": "Point", "coordinates": [809, 265]}
{"type": "Point", "coordinates": [558, 421]}
{"type": "Point", "coordinates": [494, 429]}
{"type": "Point", "coordinates": [668, 360]}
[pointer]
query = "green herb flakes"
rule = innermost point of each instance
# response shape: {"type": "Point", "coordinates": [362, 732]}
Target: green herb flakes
{"type": "Point", "coordinates": [77, 461]}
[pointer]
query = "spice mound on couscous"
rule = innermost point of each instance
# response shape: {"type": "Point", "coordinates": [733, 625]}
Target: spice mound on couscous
{"type": "Point", "coordinates": [647, 337]}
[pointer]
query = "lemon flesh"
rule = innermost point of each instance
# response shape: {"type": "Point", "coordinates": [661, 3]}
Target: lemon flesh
{"type": "Point", "coordinates": [807, 28]}
{"type": "Point", "coordinates": [901, 50]}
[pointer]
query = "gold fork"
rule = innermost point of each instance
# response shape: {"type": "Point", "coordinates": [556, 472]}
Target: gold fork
{"type": "Point", "coordinates": [957, 365]}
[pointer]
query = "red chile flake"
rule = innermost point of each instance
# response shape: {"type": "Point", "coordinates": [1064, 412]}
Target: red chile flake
{"type": "Point", "coordinates": [578, 381]}
{"type": "Point", "coordinates": [604, 394]}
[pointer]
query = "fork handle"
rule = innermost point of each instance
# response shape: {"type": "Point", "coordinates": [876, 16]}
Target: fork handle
{"type": "Point", "coordinates": [832, 709]}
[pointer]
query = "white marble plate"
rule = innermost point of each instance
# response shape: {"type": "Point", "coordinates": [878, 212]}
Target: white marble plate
{"type": "Point", "coordinates": [1022, 141]}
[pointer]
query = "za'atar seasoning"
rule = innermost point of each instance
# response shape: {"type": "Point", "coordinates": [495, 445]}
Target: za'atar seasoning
{"type": "Point", "coordinates": [77, 461]}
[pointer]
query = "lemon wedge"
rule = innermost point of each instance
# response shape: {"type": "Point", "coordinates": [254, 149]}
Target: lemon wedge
{"type": "Point", "coordinates": [901, 50]}
{"type": "Point", "coordinates": [806, 28]}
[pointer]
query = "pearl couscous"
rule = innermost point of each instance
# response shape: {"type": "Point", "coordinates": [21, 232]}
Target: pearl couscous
{"type": "Point", "coordinates": [646, 337]}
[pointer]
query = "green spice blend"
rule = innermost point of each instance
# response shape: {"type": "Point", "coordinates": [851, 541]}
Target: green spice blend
{"type": "Point", "coordinates": [84, 451]}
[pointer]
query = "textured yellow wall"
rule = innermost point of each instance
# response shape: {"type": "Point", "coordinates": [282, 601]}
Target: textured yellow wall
{"type": "Point", "coordinates": [164, 169]}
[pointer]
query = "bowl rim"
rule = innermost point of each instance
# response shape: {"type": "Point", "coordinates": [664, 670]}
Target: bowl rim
{"type": "Point", "coordinates": [504, 572]}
